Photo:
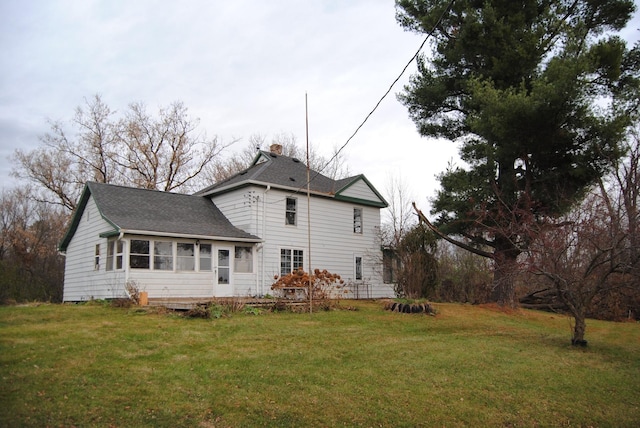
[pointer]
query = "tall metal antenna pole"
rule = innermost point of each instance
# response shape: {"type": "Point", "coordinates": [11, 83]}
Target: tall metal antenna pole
{"type": "Point", "coordinates": [306, 114]}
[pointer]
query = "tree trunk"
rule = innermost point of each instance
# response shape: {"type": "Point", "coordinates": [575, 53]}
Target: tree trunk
{"type": "Point", "coordinates": [505, 268]}
{"type": "Point", "coordinates": [578, 329]}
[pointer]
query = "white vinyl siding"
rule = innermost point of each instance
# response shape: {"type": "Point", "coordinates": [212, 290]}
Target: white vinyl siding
{"type": "Point", "coordinates": [360, 190]}
{"type": "Point", "coordinates": [81, 280]}
{"type": "Point", "coordinates": [255, 209]}
{"type": "Point", "coordinates": [333, 241]}
{"type": "Point", "coordinates": [200, 282]}
{"type": "Point", "coordinates": [241, 207]}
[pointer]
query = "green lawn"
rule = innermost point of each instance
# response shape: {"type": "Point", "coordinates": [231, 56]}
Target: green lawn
{"type": "Point", "coordinates": [93, 365]}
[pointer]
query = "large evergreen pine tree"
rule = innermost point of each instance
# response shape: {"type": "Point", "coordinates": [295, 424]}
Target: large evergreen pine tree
{"type": "Point", "coordinates": [538, 92]}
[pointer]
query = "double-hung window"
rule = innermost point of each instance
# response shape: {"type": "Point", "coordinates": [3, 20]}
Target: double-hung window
{"type": "Point", "coordinates": [357, 220]}
{"type": "Point", "coordinates": [290, 260]}
{"type": "Point", "coordinates": [358, 268]}
{"type": "Point", "coordinates": [290, 211]}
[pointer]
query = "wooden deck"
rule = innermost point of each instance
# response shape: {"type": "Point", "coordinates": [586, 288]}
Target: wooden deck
{"type": "Point", "coordinates": [186, 303]}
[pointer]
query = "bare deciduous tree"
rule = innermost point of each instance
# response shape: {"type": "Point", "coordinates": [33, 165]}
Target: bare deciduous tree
{"type": "Point", "coordinates": [595, 248]}
{"type": "Point", "coordinates": [164, 152]}
{"type": "Point", "coordinates": [398, 218]}
{"type": "Point", "coordinates": [580, 257]}
{"type": "Point", "coordinates": [30, 264]}
{"type": "Point", "coordinates": [335, 167]}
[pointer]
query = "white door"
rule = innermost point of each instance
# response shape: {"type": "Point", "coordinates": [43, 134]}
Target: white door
{"type": "Point", "coordinates": [223, 286]}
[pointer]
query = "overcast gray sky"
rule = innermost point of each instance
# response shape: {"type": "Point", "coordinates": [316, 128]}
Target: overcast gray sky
{"type": "Point", "coordinates": [242, 67]}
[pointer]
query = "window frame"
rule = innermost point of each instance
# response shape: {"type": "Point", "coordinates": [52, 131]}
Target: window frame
{"type": "Point", "coordinates": [140, 255]}
{"type": "Point", "coordinates": [209, 258]}
{"type": "Point", "coordinates": [115, 254]}
{"type": "Point", "coordinates": [119, 254]}
{"type": "Point", "coordinates": [358, 220]}
{"type": "Point", "coordinates": [358, 267]}
{"type": "Point", "coordinates": [295, 260]}
{"type": "Point", "coordinates": [180, 259]}
{"type": "Point", "coordinates": [96, 258]}
{"type": "Point", "coordinates": [160, 258]}
{"type": "Point", "coordinates": [239, 262]}
{"type": "Point", "coordinates": [291, 214]}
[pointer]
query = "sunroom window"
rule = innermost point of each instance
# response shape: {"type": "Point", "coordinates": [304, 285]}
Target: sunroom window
{"type": "Point", "coordinates": [186, 256]}
{"type": "Point", "coordinates": [205, 257]}
{"type": "Point", "coordinates": [162, 255]}
{"type": "Point", "coordinates": [243, 260]}
{"type": "Point", "coordinates": [139, 254]}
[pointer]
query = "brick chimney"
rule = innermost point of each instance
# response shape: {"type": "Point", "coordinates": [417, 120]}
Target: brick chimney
{"type": "Point", "coordinates": [276, 148]}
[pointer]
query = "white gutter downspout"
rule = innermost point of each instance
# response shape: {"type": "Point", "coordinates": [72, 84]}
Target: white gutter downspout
{"type": "Point", "coordinates": [264, 238]}
{"type": "Point", "coordinates": [125, 264]}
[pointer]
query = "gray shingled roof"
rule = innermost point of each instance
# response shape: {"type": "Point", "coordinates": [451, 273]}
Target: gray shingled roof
{"type": "Point", "coordinates": [283, 171]}
{"type": "Point", "coordinates": [129, 209]}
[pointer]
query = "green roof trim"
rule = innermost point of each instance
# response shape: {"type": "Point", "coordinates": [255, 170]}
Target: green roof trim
{"type": "Point", "coordinates": [153, 212]}
{"type": "Point", "coordinates": [361, 201]}
{"type": "Point", "coordinates": [110, 234]}
{"type": "Point", "coordinates": [382, 203]}
{"type": "Point", "coordinates": [75, 218]}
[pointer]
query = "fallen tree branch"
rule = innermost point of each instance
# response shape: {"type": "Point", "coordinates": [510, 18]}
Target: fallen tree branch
{"type": "Point", "coordinates": [446, 237]}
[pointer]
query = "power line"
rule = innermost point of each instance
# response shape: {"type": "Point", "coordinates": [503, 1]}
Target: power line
{"type": "Point", "coordinates": [435, 26]}
{"type": "Point", "coordinates": [390, 87]}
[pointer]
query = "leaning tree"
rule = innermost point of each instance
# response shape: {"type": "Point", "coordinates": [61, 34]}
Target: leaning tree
{"type": "Point", "coordinates": [538, 93]}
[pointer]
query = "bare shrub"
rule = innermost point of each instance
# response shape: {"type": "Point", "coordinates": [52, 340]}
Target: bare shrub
{"type": "Point", "coordinates": [323, 284]}
{"type": "Point", "coordinates": [133, 290]}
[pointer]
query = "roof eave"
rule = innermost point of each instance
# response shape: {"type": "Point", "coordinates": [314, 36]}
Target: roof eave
{"type": "Point", "coordinates": [75, 219]}
{"type": "Point", "coordinates": [359, 201]}
{"type": "Point", "coordinates": [382, 204]}
{"type": "Point", "coordinates": [264, 184]}
{"type": "Point", "coordinates": [189, 236]}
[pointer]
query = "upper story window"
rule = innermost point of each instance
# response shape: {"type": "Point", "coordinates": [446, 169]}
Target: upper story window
{"type": "Point", "coordinates": [357, 220]}
{"type": "Point", "coordinates": [290, 212]}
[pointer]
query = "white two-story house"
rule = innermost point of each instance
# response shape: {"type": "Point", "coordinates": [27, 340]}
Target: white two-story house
{"type": "Point", "coordinates": [230, 239]}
